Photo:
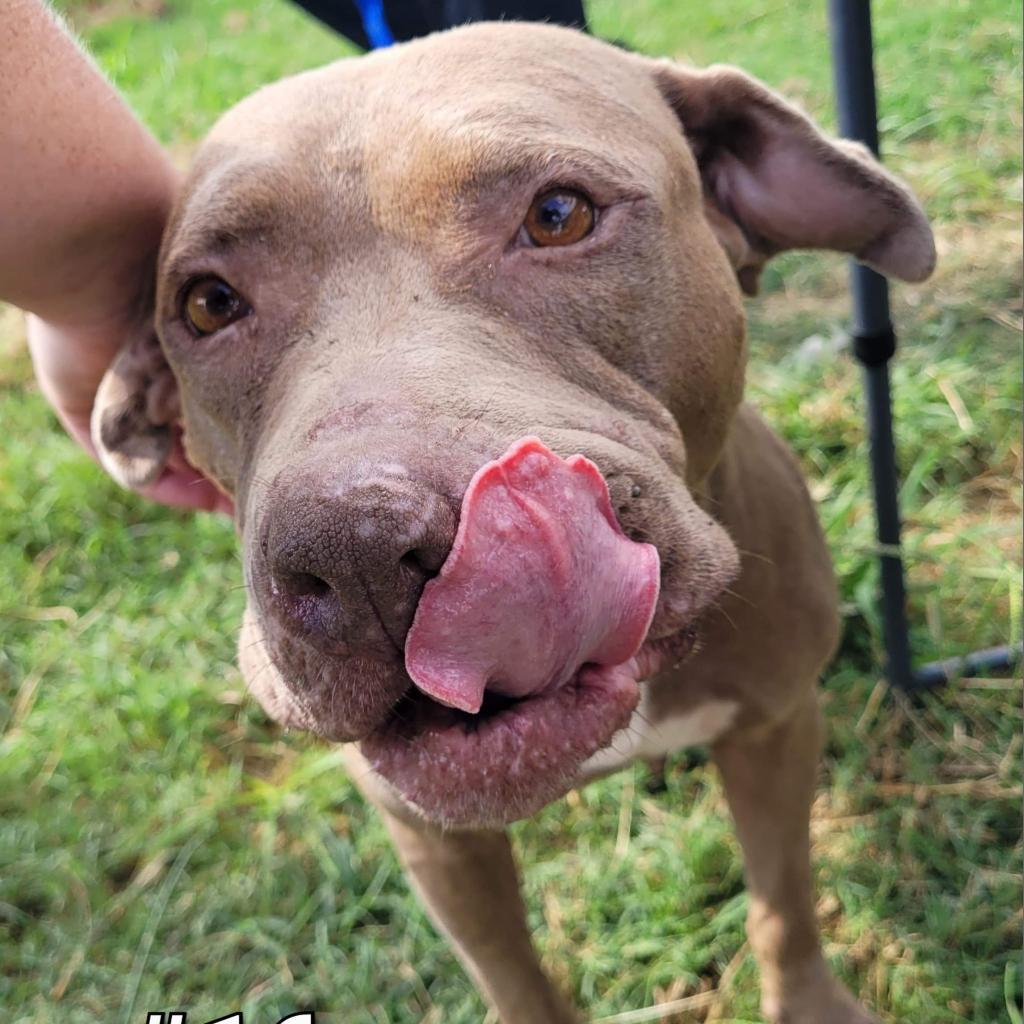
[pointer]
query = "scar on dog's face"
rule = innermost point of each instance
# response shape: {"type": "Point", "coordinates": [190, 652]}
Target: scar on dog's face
{"type": "Point", "coordinates": [383, 274]}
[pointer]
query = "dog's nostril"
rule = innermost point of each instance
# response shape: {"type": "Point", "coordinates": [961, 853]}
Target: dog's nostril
{"type": "Point", "coordinates": [423, 561]}
{"type": "Point", "coordinates": [305, 584]}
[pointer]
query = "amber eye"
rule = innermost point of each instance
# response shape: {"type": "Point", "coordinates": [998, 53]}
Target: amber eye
{"type": "Point", "coordinates": [211, 304]}
{"type": "Point", "coordinates": [559, 217]}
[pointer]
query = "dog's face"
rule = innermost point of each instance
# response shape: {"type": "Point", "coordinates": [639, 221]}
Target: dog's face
{"type": "Point", "coordinates": [382, 275]}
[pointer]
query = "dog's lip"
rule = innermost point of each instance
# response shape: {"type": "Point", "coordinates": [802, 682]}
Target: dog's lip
{"type": "Point", "coordinates": [516, 755]}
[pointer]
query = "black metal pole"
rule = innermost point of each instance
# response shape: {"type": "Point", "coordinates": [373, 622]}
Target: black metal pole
{"type": "Point", "coordinates": [874, 340]}
{"type": "Point", "coordinates": [874, 343]}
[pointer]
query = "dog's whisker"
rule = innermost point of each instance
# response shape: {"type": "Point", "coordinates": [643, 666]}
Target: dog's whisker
{"type": "Point", "coordinates": [739, 597]}
{"type": "Point", "coordinates": [718, 608]}
{"type": "Point", "coordinates": [756, 554]}
{"type": "Point", "coordinates": [254, 643]}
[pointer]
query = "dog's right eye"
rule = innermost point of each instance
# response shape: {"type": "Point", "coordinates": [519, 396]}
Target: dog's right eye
{"type": "Point", "coordinates": [561, 216]}
{"type": "Point", "coordinates": [211, 304]}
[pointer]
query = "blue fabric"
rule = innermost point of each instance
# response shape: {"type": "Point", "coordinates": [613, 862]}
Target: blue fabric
{"type": "Point", "coordinates": [375, 23]}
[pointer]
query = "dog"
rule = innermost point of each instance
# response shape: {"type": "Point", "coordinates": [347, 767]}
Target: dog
{"type": "Point", "coordinates": [458, 326]}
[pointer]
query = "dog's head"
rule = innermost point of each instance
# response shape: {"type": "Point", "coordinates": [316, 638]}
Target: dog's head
{"type": "Point", "coordinates": [382, 276]}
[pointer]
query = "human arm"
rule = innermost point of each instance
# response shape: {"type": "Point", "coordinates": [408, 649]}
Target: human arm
{"type": "Point", "coordinates": [84, 194]}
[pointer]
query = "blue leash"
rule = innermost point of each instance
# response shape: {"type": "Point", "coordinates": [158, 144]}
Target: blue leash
{"type": "Point", "coordinates": [375, 24]}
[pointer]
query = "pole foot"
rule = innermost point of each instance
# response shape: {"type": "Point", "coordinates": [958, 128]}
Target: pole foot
{"type": "Point", "coordinates": [937, 673]}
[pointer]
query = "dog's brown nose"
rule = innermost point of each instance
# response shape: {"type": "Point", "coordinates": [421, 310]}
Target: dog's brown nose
{"type": "Point", "coordinates": [346, 561]}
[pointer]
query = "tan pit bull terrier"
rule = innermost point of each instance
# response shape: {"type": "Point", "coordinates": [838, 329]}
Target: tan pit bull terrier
{"type": "Point", "coordinates": [458, 327]}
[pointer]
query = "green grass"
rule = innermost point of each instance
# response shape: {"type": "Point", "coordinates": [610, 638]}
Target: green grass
{"type": "Point", "coordinates": [163, 846]}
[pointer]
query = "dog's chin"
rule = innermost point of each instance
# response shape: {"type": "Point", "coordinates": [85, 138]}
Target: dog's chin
{"type": "Point", "coordinates": [458, 769]}
{"type": "Point", "coordinates": [505, 762]}
{"type": "Point", "coordinates": [514, 756]}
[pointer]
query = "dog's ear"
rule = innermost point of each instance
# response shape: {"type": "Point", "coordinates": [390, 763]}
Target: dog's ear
{"type": "Point", "coordinates": [134, 413]}
{"type": "Point", "coordinates": [772, 181]}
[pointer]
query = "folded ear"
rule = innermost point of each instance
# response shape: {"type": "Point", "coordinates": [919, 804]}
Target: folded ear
{"type": "Point", "coordinates": [772, 181]}
{"type": "Point", "coordinates": [134, 412]}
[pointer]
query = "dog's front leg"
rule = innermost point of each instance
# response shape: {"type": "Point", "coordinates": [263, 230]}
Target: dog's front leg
{"type": "Point", "coordinates": [469, 884]}
{"type": "Point", "coordinates": [769, 779]}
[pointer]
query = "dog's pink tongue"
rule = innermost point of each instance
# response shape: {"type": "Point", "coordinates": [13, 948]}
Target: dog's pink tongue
{"type": "Point", "coordinates": [540, 581]}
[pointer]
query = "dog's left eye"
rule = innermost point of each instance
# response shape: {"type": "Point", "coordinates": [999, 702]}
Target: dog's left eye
{"type": "Point", "coordinates": [561, 216]}
{"type": "Point", "coordinates": [210, 304]}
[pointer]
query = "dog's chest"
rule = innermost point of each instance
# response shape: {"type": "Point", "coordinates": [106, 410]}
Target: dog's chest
{"type": "Point", "coordinates": [647, 739]}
